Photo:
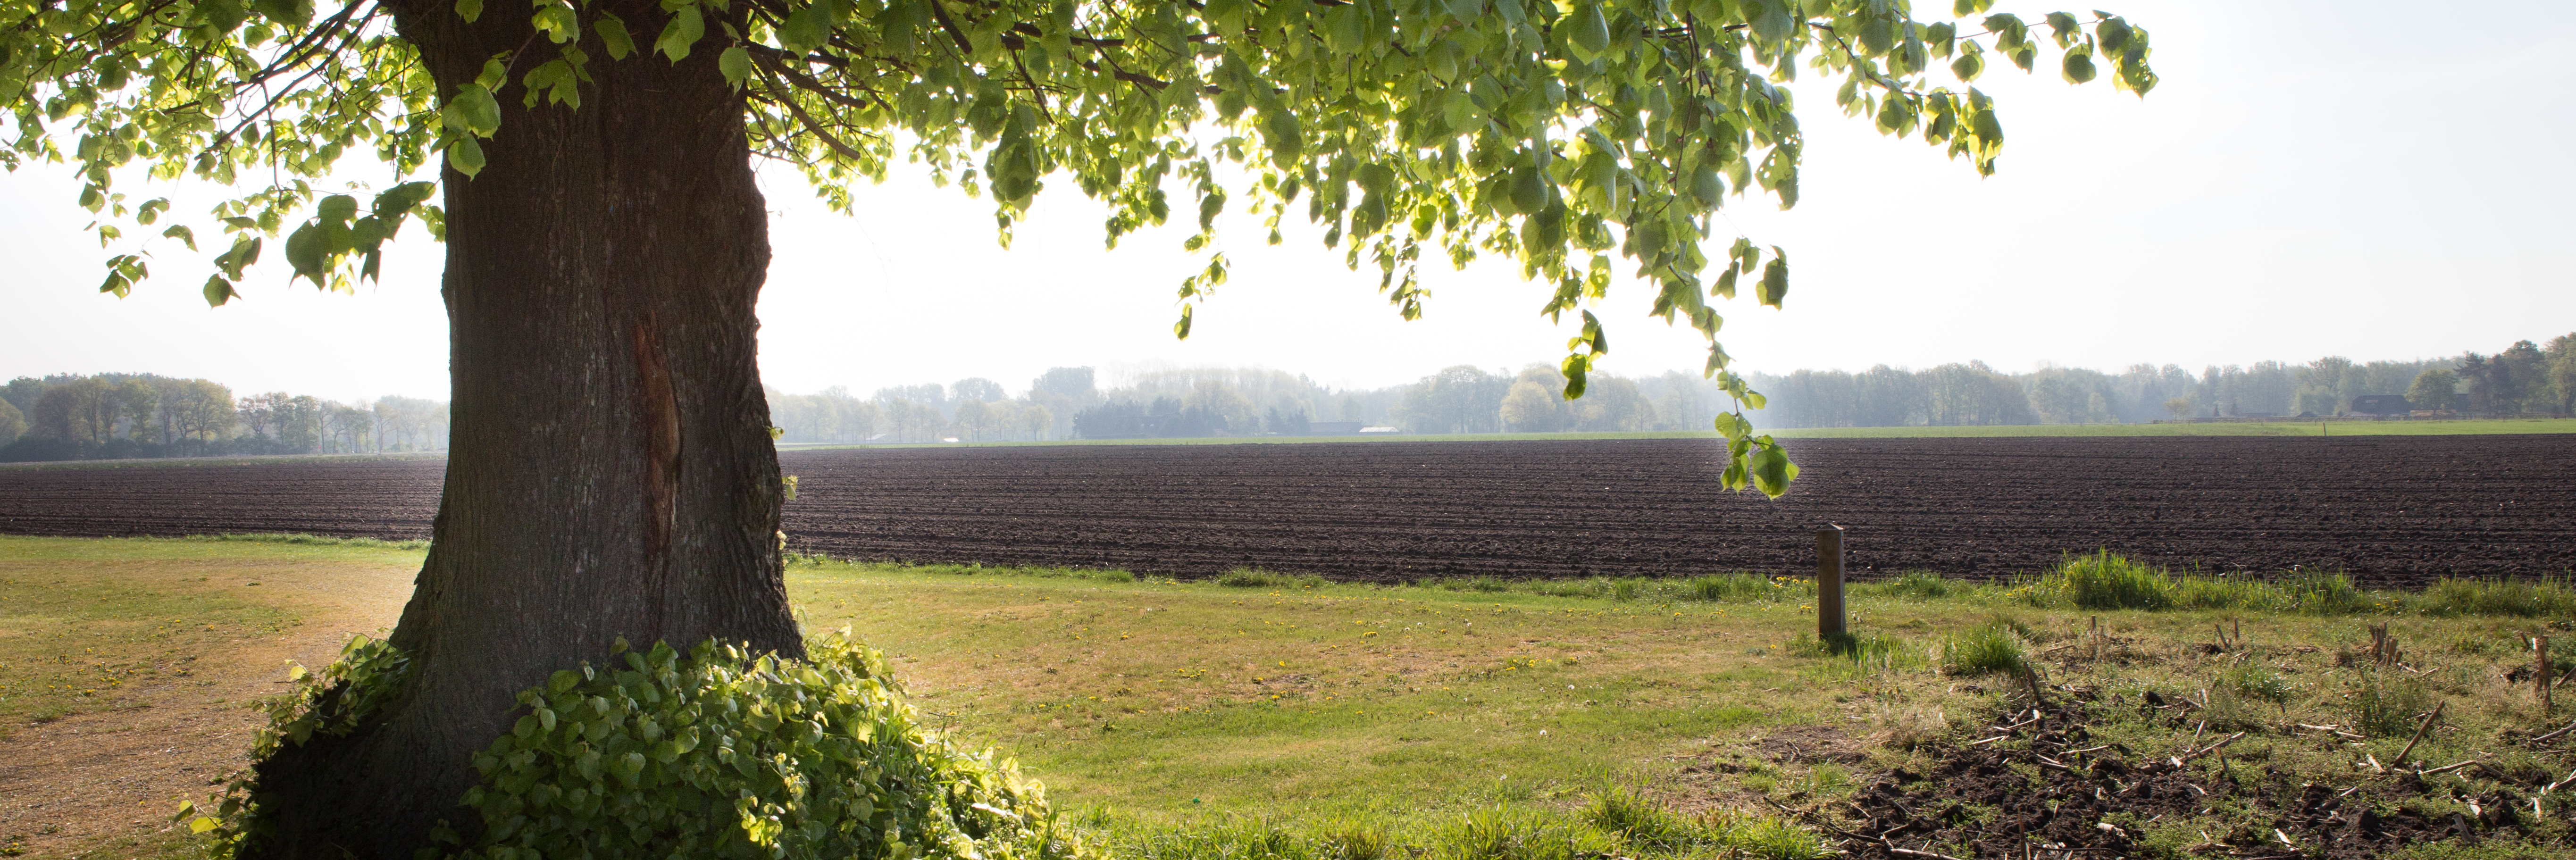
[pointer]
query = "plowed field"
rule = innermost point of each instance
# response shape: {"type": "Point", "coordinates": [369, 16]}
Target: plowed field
{"type": "Point", "coordinates": [2388, 509]}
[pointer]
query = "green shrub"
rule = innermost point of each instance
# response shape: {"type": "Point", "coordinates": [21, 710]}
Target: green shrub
{"type": "Point", "coordinates": [1988, 649]}
{"type": "Point", "coordinates": [724, 754]}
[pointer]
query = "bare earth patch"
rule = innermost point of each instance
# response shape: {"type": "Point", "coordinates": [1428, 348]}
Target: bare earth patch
{"type": "Point", "coordinates": [102, 779]}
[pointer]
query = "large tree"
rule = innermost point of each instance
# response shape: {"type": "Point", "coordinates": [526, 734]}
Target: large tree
{"type": "Point", "coordinates": [590, 162]}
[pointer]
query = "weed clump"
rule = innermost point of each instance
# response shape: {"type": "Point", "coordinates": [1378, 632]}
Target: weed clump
{"type": "Point", "coordinates": [2109, 581]}
{"type": "Point", "coordinates": [1991, 648]}
{"type": "Point", "coordinates": [2389, 707]}
{"type": "Point", "coordinates": [1915, 585]}
{"type": "Point", "coordinates": [302, 539]}
{"type": "Point", "coordinates": [1645, 827]}
{"type": "Point", "coordinates": [2106, 581]}
{"type": "Point", "coordinates": [1253, 577]}
{"type": "Point", "coordinates": [2519, 599]}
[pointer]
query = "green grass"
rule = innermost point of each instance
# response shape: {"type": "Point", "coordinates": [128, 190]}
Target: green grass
{"type": "Point", "coordinates": [1268, 715]}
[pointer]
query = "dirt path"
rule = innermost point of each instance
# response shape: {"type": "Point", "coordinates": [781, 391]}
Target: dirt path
{"type": "Point", "coordinates": [103, 783]}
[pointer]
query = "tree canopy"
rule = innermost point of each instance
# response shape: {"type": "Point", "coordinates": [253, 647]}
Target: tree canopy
{"type": "Point", "coordinates": [1581, 138]}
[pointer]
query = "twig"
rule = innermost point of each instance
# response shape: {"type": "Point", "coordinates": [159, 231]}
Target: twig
{"type": "Point", "coordinates": [2545, 738]}
{"type": "Point", "coordinates": [2214, 747]}
{"type": "Point", "coordinates": [2571, 777]}
{"type": "Point", "coordinates": [2086, 749]}
{"type": "Point", "coordinates": [1913, 853]}
{"type": "Point", "coordinates": [2420, 730]}
{"type": "Point", "coordinates": [2446, 768]}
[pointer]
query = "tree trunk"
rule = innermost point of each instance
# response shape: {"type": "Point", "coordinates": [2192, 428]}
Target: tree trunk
{"type": "Point", "coordinates": [611, 473]}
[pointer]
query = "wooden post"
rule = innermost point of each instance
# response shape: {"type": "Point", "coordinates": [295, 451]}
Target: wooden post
{"type": "Point", "coordinates": [2540, 644]}
{"type": "Point", "coordinates": [1829, 583]}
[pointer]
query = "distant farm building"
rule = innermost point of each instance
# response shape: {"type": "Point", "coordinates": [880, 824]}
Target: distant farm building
{"type": "Point", "coordinates": [2381, 404]}
{"type": "Point", "coordinates": [1333, 428]}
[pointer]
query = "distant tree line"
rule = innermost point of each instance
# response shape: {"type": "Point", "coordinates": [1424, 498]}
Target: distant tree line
{"type": "Point", "coordinates": [2526, 378]}
{"type": "Point", "coordinates": [125, 415]}
{"type": "Point", "coordinates": [970, 410]}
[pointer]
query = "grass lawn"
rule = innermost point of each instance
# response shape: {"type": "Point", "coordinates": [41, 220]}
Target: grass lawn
{"type": "Point", "coordinates": [1266, 716]}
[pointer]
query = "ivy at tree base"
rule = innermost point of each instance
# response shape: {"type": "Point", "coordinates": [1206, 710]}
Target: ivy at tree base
{"type": "Point", "coordinates": [714, 753]}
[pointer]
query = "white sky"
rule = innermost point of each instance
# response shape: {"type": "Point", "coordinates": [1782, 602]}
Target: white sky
{"type": "Point", "coordinates": [2310, 178]}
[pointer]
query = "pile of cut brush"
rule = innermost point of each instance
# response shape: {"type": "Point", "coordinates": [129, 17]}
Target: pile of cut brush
{"type": "Point", "coordinates": [2036, 785]}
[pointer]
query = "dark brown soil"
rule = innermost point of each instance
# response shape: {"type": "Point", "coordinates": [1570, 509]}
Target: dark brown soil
{"type": "Point", "coordinates": [2390, 510]}
{"type": "Point", "coordinates": [2047, 789]}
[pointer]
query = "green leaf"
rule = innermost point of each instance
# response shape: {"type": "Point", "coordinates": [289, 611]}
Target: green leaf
{"type": "Point", "coordinates": [466, 156]}
{"type": "Point", "coordinates": [336, 209]}
{"type": "Point", "coordinates": [735, 63]}
{"type": "Point", "coordinates": [613, 35]}
{"type": "Point", "coordinates": [1707, 187]}
{"type": "Point", "coordinates": [1969, 65]}
{"type": "Point", "coordinates": [469, 10]}
{"type": "Point", "coordinates": [292, 13]}
{"type": "Point", "coordinates": [1771, 470]}
{"type": "Point", "coordinates": [1591, 33]}
{"type": "Point", "coordinates": [805, 29]}
{"type": "Point", "coordinates": [2113, 34]}
{"type": "Point", "coordinates": [1775, 278]}
{"type": "Point", "coordinates": [307, 251]}
{"type": "Point", "coordinates": [683, 32]}
{"type": "Point", "coordinates": [183, 234]}
{"type": "Point", "coordinates": [473, 110]}
{"type": "Point", "coordinates": [2078, 66]}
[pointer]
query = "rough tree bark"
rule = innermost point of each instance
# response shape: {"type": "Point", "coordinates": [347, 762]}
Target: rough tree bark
{"type": "Point", "coordinates": [611, 473]}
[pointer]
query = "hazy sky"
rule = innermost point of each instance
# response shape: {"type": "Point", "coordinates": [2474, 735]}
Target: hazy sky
{"type": "Point", "coordinates": [2310, 178]}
